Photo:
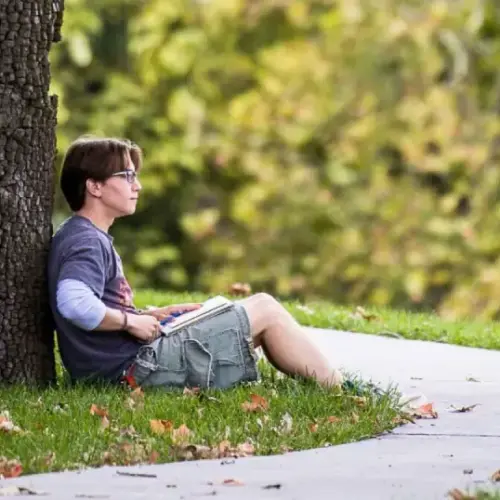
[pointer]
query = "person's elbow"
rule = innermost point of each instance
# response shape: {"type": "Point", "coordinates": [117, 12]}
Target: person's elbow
{"type": "Point", "coordinates": [80, 307]}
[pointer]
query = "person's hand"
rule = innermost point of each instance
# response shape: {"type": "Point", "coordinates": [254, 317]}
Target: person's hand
{"type": "Point", "coordinates": [145, 327]}
{"type": "Point", "coordinates": [163, 312]}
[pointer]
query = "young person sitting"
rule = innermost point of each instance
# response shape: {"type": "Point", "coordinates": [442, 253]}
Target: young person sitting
{"type": "Point", "coordinates": [103, 337]}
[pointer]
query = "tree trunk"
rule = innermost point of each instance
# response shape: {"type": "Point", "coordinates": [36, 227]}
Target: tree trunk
{"type": "Point", "coordinates": [27, 151]}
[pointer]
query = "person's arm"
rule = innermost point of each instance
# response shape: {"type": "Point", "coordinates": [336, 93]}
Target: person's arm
{"type": "Point", "coordinates": [77, 303]}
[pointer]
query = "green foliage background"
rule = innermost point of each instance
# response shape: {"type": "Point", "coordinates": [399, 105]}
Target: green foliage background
{"type": "Point", "coordinates": [345, 150]}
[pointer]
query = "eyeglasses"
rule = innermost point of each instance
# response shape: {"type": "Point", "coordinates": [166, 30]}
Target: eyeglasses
{"type": "Point", "coordinates": [130, 175]}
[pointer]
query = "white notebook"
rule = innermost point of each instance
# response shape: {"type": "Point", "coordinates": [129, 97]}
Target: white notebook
{"type": "Point", "coordinates": [211, 307]}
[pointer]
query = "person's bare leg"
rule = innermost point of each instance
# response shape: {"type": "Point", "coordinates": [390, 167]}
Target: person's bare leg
{"type": "Point", "coordinates": [284, 341]}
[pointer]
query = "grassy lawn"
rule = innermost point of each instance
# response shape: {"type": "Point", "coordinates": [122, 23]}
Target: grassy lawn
{"type": "Point", "coordinates": [57, 430]}
{"type": "Point", "coordinates": [380, 321]}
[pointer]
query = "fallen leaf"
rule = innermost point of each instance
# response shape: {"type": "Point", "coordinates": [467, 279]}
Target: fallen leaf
{"type": "Point", "coordinates": [361, 313]}
{"type": "Point", "coordinates": [276, 486]}
{"type": "Point", "coordinates": [456, 494]}
{"type": "Point", "coordinates": [96, 410]}
{"type": "Point", "coordinates": [12, 491]}
{"type": "Point", "coordinates": [286, 423]}
{"type": "Point", "coordinates": [495, 477]}
{"type": "Point", "coordinates": [194, 391]}
{"type": "Point", "coordinates": [136, 399]}
{"type": "Point", "coordinates": [6, 424]}
{"type": "Point", "coordinates": [126, 454]}
{"type": "Point", "coordinates": [104, 422]}
{"type": "Point", "coordinates": [472, 379]}
{"type": "Point", "coordinates": [424, 411]}
{"type": "Point", "coordinates": [49, 459]}
{"type": "Point", "coordinates": [161, 426]}
{"type": "Point", "coordinates": [195, 452]}
{"type": "Point", "coordinates": [468, 471]}
{"type": "Point", "coordinates": [360, 401]}
{"type": "Point", "coordinates": [10, 468]}
{"type": "Point", "coordinates": [354, 417]}
{"type": "Point", "coordinates": [241, 289]}
{"type": "Point", "coordinates": [257, 403]}
{"type": "Point", "coordinates": [153, 457]}
{"type": "Point", "coordinates": [223, 450]}
{"type": "Point", "coordinates": [334, 420]}
{"type": "Point", "coordinates": [245, 449]}
{"type": "Point", "coordinates": [462, 409]}
{"type": "Point", "coordinates": [232, 482]}
{"type": "Point", "coordinates": [313, 427]}
{"type": "Point", "coordinates": [181, 434]}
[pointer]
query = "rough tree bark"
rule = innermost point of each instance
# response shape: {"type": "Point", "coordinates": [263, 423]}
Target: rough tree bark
{"type": "Point", "coordinates": [27, 150]}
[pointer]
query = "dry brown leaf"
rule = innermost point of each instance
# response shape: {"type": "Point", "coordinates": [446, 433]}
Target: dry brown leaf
{"type": "Point", "coordinates": [6, 424]}
{"type": "Point", "coordinates": [360, 401]}
{"type": "Point", "coordinates": [456, 494]}
{"type": "Point", "coordinates": [424, 411]}
{"type": "Point", "coordinates": [10, 468]}
{"type": "Point", "coordinates": [49, 459]}
{"type": "Point", "coordinates": [135, 401]}
{"type": "Point", "coordinates": [313, 427]}
{"type": "Point", "coordinates": [153, 457]}
{"type": "Point", "coordinates": [462, 409]}
{"type": "Point", "coordinates": [161, 426]}
{"type": "Point", "coordinates": [241, 289]}
{"type": "Point", "coordinates": [361, 313]}
{"type": "Point", "coordinates": [104, 422]}
{"type": "Point", "coordinates": [354, 417]}
{"type": "Point", "coordinates": [232, 482]}
{"type": "Point", "coordinates": [257, 403]}
{"type": "Point", "coordinates": [127, 454]}
{"type": "Point", "coordinates": [193, 391]}
{"type": "Point", "coordinates": [334, 420]}
{"type": "Point", "coordinates": [97, 410]}
{"type": "Point", "coordinates": [181, 434]}
{"type": "Point", "coordinates": [14, 491]}
{"type": "Point", "coordinates": [495, 477]}
{"type": "Point", "coordinates": [245, 449]}
{"type": "Point", "coordinates": [222, 450]}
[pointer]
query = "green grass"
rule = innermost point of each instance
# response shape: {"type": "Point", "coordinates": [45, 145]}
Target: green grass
{"type": "Point", "coordinates": [477, 495]}
{"type": "Point", "coordinates": [59, 432]}
{"type": "Point", "coordinates": [380, 321]}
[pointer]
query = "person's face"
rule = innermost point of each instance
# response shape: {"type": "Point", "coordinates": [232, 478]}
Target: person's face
{"type": "Point", "coordinates": [120, 192]}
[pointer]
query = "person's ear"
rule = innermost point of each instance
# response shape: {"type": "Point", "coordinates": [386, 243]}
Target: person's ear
{"type": "Point", "coordinates": [93, 188]}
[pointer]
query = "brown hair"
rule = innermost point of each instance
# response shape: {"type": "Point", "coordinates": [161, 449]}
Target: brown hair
{"type": "Point", "coordinates": [94, 158]}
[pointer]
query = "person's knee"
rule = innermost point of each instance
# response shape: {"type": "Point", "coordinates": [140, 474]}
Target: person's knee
{"type": "Point", "coordinates": [265, 300]}
{"type": "Point", "coordinates": [263, 310]}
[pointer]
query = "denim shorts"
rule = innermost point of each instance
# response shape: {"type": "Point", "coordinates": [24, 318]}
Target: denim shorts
{"type": "Point", "coordinates": [217, 352]}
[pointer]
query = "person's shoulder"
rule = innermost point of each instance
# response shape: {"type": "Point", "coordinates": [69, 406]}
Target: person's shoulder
{"type": "Point", "coordinates": [76, 233]}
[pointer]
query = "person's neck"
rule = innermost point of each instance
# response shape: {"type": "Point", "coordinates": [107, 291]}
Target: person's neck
{"type": "Point", "coordinates": [102, 221]}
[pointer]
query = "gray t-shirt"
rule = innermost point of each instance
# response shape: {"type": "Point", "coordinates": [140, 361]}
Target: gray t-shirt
{"type": "Point", "coordinates": [81, 251]}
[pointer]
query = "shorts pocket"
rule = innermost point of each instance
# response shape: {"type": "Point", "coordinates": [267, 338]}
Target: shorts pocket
{"type": "Point", "coordinates": [225, 347]}
{"type": "Point", "coordinates": [145, 363]}
{"type": "Point", "coordinates": [198, 364]}
{"type": "Point", "coordinates": [161, 363]}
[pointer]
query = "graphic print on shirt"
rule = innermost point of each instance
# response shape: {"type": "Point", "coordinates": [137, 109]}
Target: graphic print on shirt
{"type": "Point", "coordinates": [125, 293]}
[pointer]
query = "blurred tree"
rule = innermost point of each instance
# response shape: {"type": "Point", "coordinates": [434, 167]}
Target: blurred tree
{"type": "Point", "coordinates": [27, 147]}
{"type": "Point", "coordinates": [314, 148]}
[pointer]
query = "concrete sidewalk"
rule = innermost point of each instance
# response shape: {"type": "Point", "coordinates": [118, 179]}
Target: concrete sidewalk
{"type": "Point", "coordinates": [418, 461]}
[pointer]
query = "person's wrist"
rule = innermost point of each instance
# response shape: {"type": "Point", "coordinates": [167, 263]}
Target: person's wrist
{"type": "Point", "coordinates": [125, 322]}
